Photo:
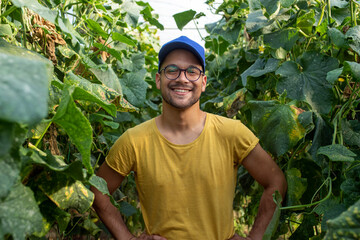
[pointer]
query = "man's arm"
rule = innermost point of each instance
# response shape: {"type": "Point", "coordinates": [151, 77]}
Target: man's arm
{"type": "Point", "coordinates": [107, 212]}
{"type": "Point", "coordinates": [267, 173]}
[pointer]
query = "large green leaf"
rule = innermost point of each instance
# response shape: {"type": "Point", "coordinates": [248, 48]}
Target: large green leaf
{"type": "Point", "coordinates": [306, 22]}
{"type": "Point", "coordinates": [345, 226]}
{"type": "Point", "coordinates": [285, 38]}
{"type": "Point", "coordinates": [24, 78]}
{"type": "Point", "coordinates": [271, 6]}
{"type": "Point", "coordinates": [296, 186]}
{"type": "Point", "coordinates": [353, 37]}
{"type": "Point", "coordinates": [55, 163]}
{"type": "Point", "coordinates": [19, 214]}
{"type": "Point", "coordinates": [65, 192]}
{"type": "Point", "coordinates": [6, 136]}
{"type": "Point", "coordinates": [132, 12]}
{"type": "Point", "coordinates": [260, 68]}
{"type": "Point", "coordinates": [256, 21]}
{"type": "Point", "coordinates": [337, 153]}
{"type": "Point", "coordinates": [108, 77]}
{"type": "Point", "coordinates": [276, 125]}
{"type": "Point", "coordinates": [306, 81]}
{"type": "Point", "coordinates": [9, 174]}
{"type": "Point", "coordinates": [135, 87]}
{"type": "Point", "coordinates": [352, 68]}
{"type": "Point", "coordinates": [337, 37]}
{"type": "Point", "coordinates": [76, 125]}
{"type": "Point", "coordinates": [184, 18]}
{"type": "Point", "coordinates": [351, 132]}
{"type": "Point", "coordinates": [220, 28]}
{"type": "Point", "coordinates": [122, 38]}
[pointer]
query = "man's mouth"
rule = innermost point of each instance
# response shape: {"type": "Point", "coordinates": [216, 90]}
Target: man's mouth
{"type": "Point", "coordinates": [181, 90]}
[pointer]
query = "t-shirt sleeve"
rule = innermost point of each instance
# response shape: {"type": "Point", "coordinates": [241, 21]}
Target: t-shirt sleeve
{"type": "Point", "coordinates": [121, 156]}
{"type": "Point", "coordinates": [245, 141]}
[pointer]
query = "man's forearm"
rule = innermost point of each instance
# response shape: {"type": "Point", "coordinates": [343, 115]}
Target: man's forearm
{"type": "Point", "coordinates": [112, 218]}
{"type": "Point", "coordinates": [266, 210]}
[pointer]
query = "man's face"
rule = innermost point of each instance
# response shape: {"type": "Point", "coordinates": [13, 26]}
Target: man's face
{"type": "Point", "coordinates": [181, 93]}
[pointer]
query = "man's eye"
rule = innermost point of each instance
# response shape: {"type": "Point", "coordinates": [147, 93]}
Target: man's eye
{"type": "Point", "coordinates": [172, 69]}
{"type": "Point", "coordinates": [192, 70]}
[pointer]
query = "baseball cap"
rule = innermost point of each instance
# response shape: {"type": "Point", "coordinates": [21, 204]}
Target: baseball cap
{"type": "Point", "coordinates": [186, 43]}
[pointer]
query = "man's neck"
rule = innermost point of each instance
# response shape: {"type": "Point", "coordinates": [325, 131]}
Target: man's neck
{"type": "Point", "coordinates": [181, 126]}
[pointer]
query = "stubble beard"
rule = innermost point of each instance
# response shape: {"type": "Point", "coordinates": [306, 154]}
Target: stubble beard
{"type": "Point", "coordinates": [172, 102]}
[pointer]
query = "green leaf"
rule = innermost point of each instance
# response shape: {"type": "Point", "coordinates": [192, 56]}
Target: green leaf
{"type": "Point", "coordinates": [345, 226]}
{"type": "Point", "coordinates": [24, 92]}
{"type": "Point", "coordinates": [76, 125]}
{"type": "Point", "coordinates": [256, 21]}
{"type": "Point", "coordinates": [306, 81]}
{"type": "Point", "coordinates": [276, 125]}
{"type": "Point", "coordinates": [351, 132]}
{"type": "Point", "coordinates": [127, 209]}
{"type": "Point", "coordinates": [122, 38]}
{"type": "Point", "coordinates": [306, 22]}
{"type": "Point", "coordinates": [337, 37]}
{"type": "Point", "coordinates": [230, 34]}
{"type": "Point", "coordinates": [332, 76]}
{"type": "Point", "coordinates": [96, 28]}
{"type": "Point", "coordinates": [100, 184]}
{"type": "Point", "coordinates": [6, 137]}
{"type": "Point", "coordinates": [135, 87]}
{"type": "Point", "coordinates": [217, 44]}
{"type": "Point", "coordinates": [306, 228]}
{"type": "Point", "coordinates": [259, 68]}
{"type": "Point", "coordinates": [287, 3]}
{"type": "Point", "coordinates": [339, 3]}
{"type": "Point", "coordinates": [337, 153]}
{"type": "Point", "coordinates": [5, 30]}
{"type": "Point", "coordinates": [65, 192]}
{"type": "Point", "coordinates": [285, 39]}
{"type": "Point", "coordinates": [108, 77]}
{"type": "Point", "coordinates": [272, 7]}
{"type": "Point", "coordinates": [296, 186]}
{"type": "Point", "coordinates": [353, 69]}
{"type": "Point", "coordinates": [56, 163]}
{"type": "Point", "coordinates": [353, 37]}
{"type": "Point", "coordinates": [9, 175]}
{"type": "Point", "coordinates": [149, 17]}
{"type": "Point", "coordinates": [132, 11]}
{"type": "Point", "coordinates": [184, 18]}
{"type": "Point", "coordinates": [19, 214]}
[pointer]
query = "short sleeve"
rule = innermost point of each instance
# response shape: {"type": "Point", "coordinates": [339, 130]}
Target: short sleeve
{"type": "Point", "coordinates": [244, 142]}
{"type": "Point", "coordinates": [121, 156]}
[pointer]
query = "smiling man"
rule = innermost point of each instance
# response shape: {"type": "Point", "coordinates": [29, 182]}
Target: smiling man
{"type": "Point", "coordinates": [185, 161]}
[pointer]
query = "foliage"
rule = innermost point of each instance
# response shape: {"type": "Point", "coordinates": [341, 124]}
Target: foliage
{"type": "Point", "coordinates": [290, 71]}
{"type": "Point", "coordinates": [76, 74]}
{"type": "Point", "coordinates": [73, 79]}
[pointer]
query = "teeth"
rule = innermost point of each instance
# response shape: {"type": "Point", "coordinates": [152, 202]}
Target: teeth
{"type": "Point", "coordinates": [181, 90]}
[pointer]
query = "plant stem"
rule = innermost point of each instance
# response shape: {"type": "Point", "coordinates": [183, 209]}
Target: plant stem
{"type": "Point", "coordinates": [329, 11]}
{"type": "Point", "coordinates": [42, 135]}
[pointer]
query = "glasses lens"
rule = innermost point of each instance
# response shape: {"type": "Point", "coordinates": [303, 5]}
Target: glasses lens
{"type": "Point", "coordinates": [192, 73]}
{"type": "Point", "coordinates": [172, 72]}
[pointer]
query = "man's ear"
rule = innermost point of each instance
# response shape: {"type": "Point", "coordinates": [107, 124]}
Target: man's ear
{"type": "Point", "coordinates": [157, 80]}
{"type": "Point", "coordinates": [204, 81]}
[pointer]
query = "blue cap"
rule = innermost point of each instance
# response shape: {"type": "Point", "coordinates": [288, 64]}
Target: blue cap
{"type": "Point", "coordinates": [183, 43]}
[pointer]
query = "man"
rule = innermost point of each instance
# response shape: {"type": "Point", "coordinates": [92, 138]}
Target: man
{"type": "Point", "coordinates": [185, 161]}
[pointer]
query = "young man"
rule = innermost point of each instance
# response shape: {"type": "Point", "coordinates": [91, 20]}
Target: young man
{"type": "Point", "coordinates": [185, 161]}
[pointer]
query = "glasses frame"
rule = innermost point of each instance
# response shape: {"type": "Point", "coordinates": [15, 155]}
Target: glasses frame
{"type": "Point", "coordinates": [181, 70]}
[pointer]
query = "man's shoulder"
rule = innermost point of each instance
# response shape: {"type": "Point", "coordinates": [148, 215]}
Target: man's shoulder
{"type": "Point", "coordinates": [142, 128]}
{"type": "Point", "coordinates": [217, 119]}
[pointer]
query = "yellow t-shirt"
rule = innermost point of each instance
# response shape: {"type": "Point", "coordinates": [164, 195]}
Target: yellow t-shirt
{"type": "Point", "coordinates": [185, 191]}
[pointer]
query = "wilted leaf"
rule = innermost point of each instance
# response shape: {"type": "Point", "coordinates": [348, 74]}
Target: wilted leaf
{"type": "Point", "coordinates": [276, 125]}
{"type": "Point", "coordinates": [24, 92]}
{"type": "Point", "coordinates": [337, 153]}
{"type": "Point", "coordinates": [65, 192]}
{"type": "Point", "coordinates": [345, 226]}
{"type": "Point", "coordinates": [234, 102]}
{"type": "Point", "coordinates": [19, 213]}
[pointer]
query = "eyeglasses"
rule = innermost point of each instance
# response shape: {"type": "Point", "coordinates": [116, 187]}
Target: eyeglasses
{"type": "Point", "coordinates": [172, 72]}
